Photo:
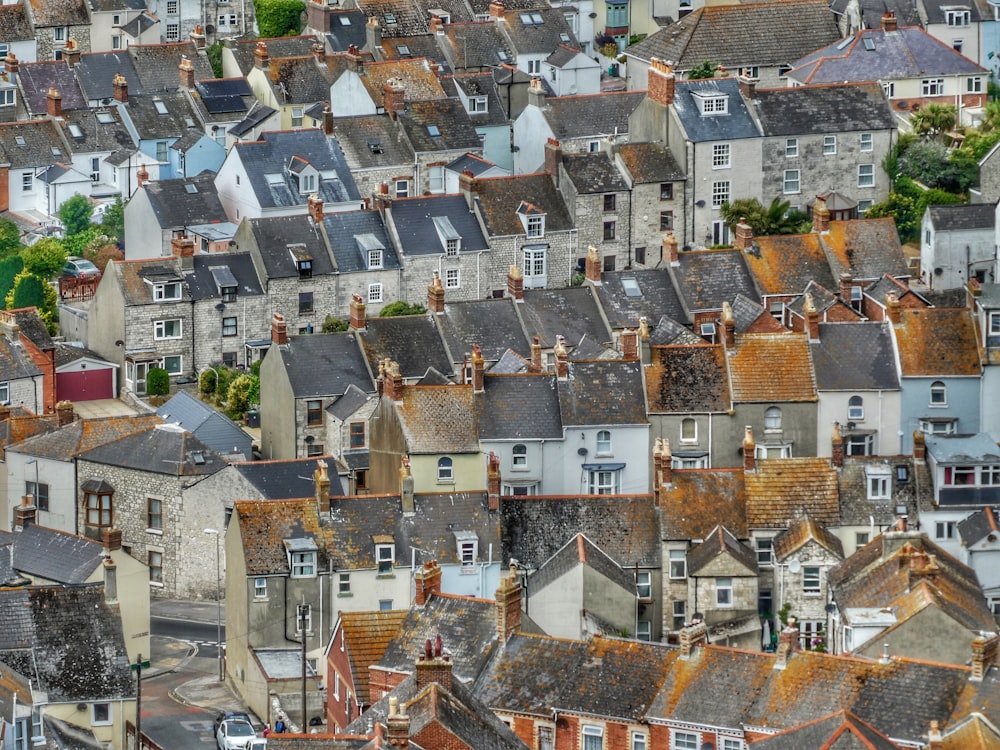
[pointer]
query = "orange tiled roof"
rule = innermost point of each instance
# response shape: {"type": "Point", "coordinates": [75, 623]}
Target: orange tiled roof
{"type": "Point", "coordinates": [937, 341]}
{"type": "Point", "coordinates": [784, 488]}
{"type": "Point", "coordinates": [415, 76]}
{"type": "Point", "coordinates": [787, 263]}
{"type": "Point", "coordinates": [264, 524]}
{"type": "Point", "coordinates": [975, 733]}
{"type": "Point", "coordinates": [367, 634]}
{"type": "Point", "coordinates": [701, 499]}
{"type": "Point", "coordinates": [772, 367]}
{"type": "Point", "coordinates": [439, 419]}
{"type": "Point", "coordinates": [800, 531]}
{"type": "Point", "coordinates": [865, 248]}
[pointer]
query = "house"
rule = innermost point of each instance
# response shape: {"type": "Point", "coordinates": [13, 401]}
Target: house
{"type": "Point", "coordinates": [368, 88]}
{"type": "Point", "coordinates": [481, 95]}
{"type": "Point", "coordinates": [210, 426]}
{"type": "Point", "coordinates": [56, 28]}
{"type": "Point", "coordinates": [31, 147]}
{"type": "Point", "coordinates": [533, 32]}
{"type": "Point", "coordinates": [161, 209]}
{"type": "Point", "coordinates": [375, 152]}
{"type": "Point", "coordinates": [292, 85]}
{"type": "Point", "coordinates": [413, 342]}
{"type": "Point", "coordinates": [978, 533]}
{"type": "Point", "coordinates": [19, 42]}
{"type": "Point", "coordinates": [656, 181]}
{"type": "Point", "coordinates": [238, 54]}
{"type": "Point", "coordinates": [33, 81]}
{"type": "Point", "coordinates": [83, 375]}
{"type": "Point", "coordinates": [957, 245]}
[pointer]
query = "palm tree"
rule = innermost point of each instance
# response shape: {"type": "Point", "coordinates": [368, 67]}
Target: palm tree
{"type": "Point", "coordinates": [934, 121]}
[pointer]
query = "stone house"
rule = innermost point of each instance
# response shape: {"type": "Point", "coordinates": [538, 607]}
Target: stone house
{"type": "Point", "coordinates": [59, 26]}
{"type": "Point", "coordinates": [657, 186]}
{"type": "Point", "coordinates": [292, 85]}
{"type": "Point", "coordinates": [375, 152]}
{"type": "Point", "coordinates": [160, 210]}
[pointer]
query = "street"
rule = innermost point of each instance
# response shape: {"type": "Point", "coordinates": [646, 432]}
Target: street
{"type": "Point", "coordinates": [204, 635]}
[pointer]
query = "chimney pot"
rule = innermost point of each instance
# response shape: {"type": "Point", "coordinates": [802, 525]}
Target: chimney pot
{"type": "Point", "coordinates": [593, 266]}
{"type": "Point", "coordinates": [435, 295]}
{"type": "Point", "coordinates": [358, 319]}
{"type": "Point", "coordinates": [749, 450]}
{"type": "Point", "coordinates": [515, 284]}
{"type": "Point", "coordinates": [54, 103]}
{"type": "Point", "coordinates": [120, 87]}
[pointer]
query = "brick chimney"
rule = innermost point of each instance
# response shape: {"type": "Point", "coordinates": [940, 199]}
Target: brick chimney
{"type": "Point", "coordinates": [319, 53]}
{"type": "Point", "coordinates": [749, 450]}
{"type": "Point", "coordinates": [71, 54]}
{"type": "Point", "coordinates": [515, 284]}
{"type": "Point", "coordinates": [321, 481]}
{"type": "Point", "coordinates": [670, 254]}
{"type": "Point", "coordinates": [630, 344]}
{"type": "Point", "coordinates": [553, 158]}
{"type": "Point", "coordinates": [934, 738]}
{"type": "Point", "coordinates": [748, 86]}
{"type": "Point", "coordinates": [889, 21]}
{"type": "Point", "coordinates": [691, 637]}
{"type": "Point", "coordinates": [120, 86]}
{"type": "Point", "coordinates": [788, 643]}
{"type": "Point", "coordinates": [392, 385]}
{"type": "Point", "coordinates": [24, 514]}
{"type": "Point", "coordinates": [436, 25]}
{"type": "Point", "coordinates": [186, 69]}
{"type": "Point", "coordinates": [434, 666]}
{"type": "Point", "coordinates": [110, 581]}
{"type": "Point", "coordinates": [592, 266]}
{"type": "Point", "coordinates": [536, 92]}
{"type": "Point", "coordinates": [141, 176]}
{"type": "Point", "coordinates": [984, 654]}
{"type": "Point", "coordinates": [279, 330]}
{"type": "Point", "coordinates": [393, 95]}
{"type": "Point", "coordinates": [373, 35]}
{"type": "Point", "coordinates": [478, 370]}
{"type": "Point", "coordinates": [846, 282]}
{"type": "Point", "coordinates": [663, 471]}
{"type": "Point", "coordinates": [12, 65]}
{"type": "Point", "coordinates": [660, 82]}
{"type": "Point", "coordinates": [837, 447]}
{"type": "Point", "coordinates": [435, 295]}
{"type": "Point", "coordinates": [406, 499]}
{"type": "Point", "coordinates": [821, 216]}
{"type": "Point", "coordinates": [892, 308]}
{"type": "Point", "coordinates": [4, 412]}
{"type": "Point", "coordinates": [536, 355]}
{"type": "Point", "coordinates": [728, 327]}
{"type": "Point", "coordinates": [357, 314]}
{"type": "Point", "coordinates": [508, 602]}
{"type": "Point", "coordinates": [497, 10]}
{"type": "Point", "coordinates": [493, 481]}
{"type": "Point", "coordinates": [260, 56]}
{"type": "Point", "coordinates": [467, 186]}
{"type": "Point", "coordinates": [327, 119]}
{"type": "Point", "coordinates": [357, 62]}
{"type": "Point", "coordinates": [744, 235]}
{"type": "Point", "coordinates": [314, 206]}
{"type": "Point", "coordinates": [64, 413]}
{"type": "Point", "coordinates": [182, 246]}
{"type": "Point", "coordinates": [397, 726]}
{"type": "Point", "coordinates": [54, 103]}
{"type": "Point", "coordinates": [428, 582]}
{"type": "Point", "coordinates": [562, 366]}
{"type": "Point", "coordinates": [812, 318]}
{"type": "Point", "coordinates": [919, 446]}
{"type": "Point", "coordinates": [198, 37]}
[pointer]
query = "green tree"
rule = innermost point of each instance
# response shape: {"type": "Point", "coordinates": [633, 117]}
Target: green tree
{"type": "Point", "coordinates": [75, 214]}
{"type": "Point", "coordinates": [934, 120]}
{"type": "Point", "coordinates": [207, 381]}
{"type": "Point", "coordinates": [400, 308]}
{"type": "Point", "coordinates": [113, 222]}
{"type": "Point", "coordinates": [774, 219]}
{"type": "Point", "coordinates": [924, 161]}
{"type": "Point", "coordinates": [279, 17]}
{"type": "Point", "coordinates": [10, 237]}
{"type": "Point", "coordinates": [904, 209]}
{"type": "Point", "coordinates": [334, 325]}
{"type": "Point", "coordinates": [705, 70]}
{"type": "Point", "coordinates": [31, 291]}
{"type": "Point", "coordinates": [157, 382]}
{"type": "Point", "coordinates": [81, 242]}
{"type": "Point", "coordinates": [45, 258]}
{"type": "Point", "coordinates": [238, 396]}
{"type": "Point", "coordinates": [9, 269]}
{"type": "Point", "coordinates": [214, 54]}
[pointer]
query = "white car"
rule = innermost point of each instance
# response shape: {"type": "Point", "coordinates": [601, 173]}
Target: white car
{"type": "Point", "coordinates": [235, 734]}
{"type": "Point", "coordinates": [258, 744]}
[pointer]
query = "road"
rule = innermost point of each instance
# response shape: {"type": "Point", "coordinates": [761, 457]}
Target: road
{"type": "Point", "coordinates": [203, 635]}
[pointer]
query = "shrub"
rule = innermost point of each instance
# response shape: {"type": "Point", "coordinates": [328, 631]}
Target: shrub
{"type": "Point", "coordinates": [334, 325]}
{"type": "Point", "coordinates": [9, 269]}
{"type": "Point", "coordinates": [214, 54]}
{"type": "Point", "coordinates": [207, 381]}
{"type": "Point", "coordinates": [400, 308]}
{"type": "Point", "coordinates": [75, 214]}
{"type": "Point", "coordinates": [10, 237]}
{"type": "Point", "coordinates": [238, 396]}
{"type": "Point", "coordinates": [45, 258]}
{"type": "Point", "coordinates": [158, 382]}
{"type": "Point", "coordinates": [279, 17]}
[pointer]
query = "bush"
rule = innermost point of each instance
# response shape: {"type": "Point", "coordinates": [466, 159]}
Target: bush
{"type": "Point", "coordinates": [214, 54]}
{"type": "Point", "coordinates": [279, 17]}
{"type": "Point", "coordinates": [113, 223]}
{"type": "Point", "coordinates": [400, 308]}
{"type": "Point", "coordinates": [239, 396]}
{"type": "Point", "coordinates": [207, 381]}
{"type": "Point", "coordinates": [334, 325]}
{"type": "Point", "coordinates": [45, 258]}
{"type": "Point", "coordinates": [158, 382]}
{"type": "Point", "coordinates": [10, 237]}
{"type": "Point", "coordinates": [9, 269]}
{"type": "Point", "coordinates": [75, 214]}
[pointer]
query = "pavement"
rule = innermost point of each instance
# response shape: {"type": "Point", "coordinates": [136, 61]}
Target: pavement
{"type": "Point", "coordinates": [105, 407]}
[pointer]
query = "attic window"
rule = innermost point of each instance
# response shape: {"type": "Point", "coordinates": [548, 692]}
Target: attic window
{"type": "Point", "coordinates": [433, 131]}
{"type": "Point", "coordinates": [403, 50]}
{"type": "Point", "coordinates": [877, 479]}
{"type": "Point", "coordinates": [712, 103]}
{"type": "Point", "coordinates": [385, 553]}
{"type": "Point", "coordinates": [372, 250]}
{"type": "Point", "coordinates": [467, 546]}
{"type": "Point", "coordinates": [105, 118]}
{"type": "Point", "coordinates": [345, 20]}
{"type": "Point", "coordinates": [532, 19]}
{"type": "Point", "coordinates": [161, 108]}
{"type": "Point", "coordinates": [56, 151]}
{"type": "Point", "coordinates": [390, 19]}
{"type": "Point", "coordinates": [274, 179]}
{"type": "Point", "coordinates": [301, 557]}
{"type": "Point", "coordinates": [198, 457]}
{"type": "Point", "coordinates": [869, 44]}
{"type": "Point", "coordinates": [190, 189]}
{"type": "Point", "coordinates": [19, 140]}
{"type": "Point", "coordinates": [502, 55]}
{"type": "Point", "coordinates": [631, 287]}
{"type": "Point", "coordinates": [74, 130]}
{"type": "Point", "coordinates": [449, 236]}
{"type": "Point", "coordinates": [564, 37]}
{"type": "Point", "coordinates": [375, 146]}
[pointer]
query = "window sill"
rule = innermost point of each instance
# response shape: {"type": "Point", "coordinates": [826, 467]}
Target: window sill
{"type": "Point", "coordinates": [468, 570]}
{"type": "Point", "coordinates": [344, 595]}
{"type": "Point", "coordinates": [812, 594]}
{"type": "Point", "coordinates": [381, 576]}
{"type": "Point", "coordinates": [155, 532]}
{"type": "Point", "coordinates": [156, 584]}
{"type": "Point", "coordinates": [260, 600]}
{"type": "Point", "coordinates": [446, 481]}
{"type": "Point", "coordinates": [520, 468]}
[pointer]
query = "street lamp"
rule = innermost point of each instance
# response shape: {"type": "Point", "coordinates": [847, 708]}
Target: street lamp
{"type": "Point", "coordinates": [218, 599]}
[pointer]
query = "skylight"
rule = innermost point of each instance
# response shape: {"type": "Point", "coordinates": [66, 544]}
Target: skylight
{"type": "Point", "coordinates": [869, 43]}
{"type": "Point", "coordinates": [19, 140]}
{"type": "Point", "coordinates": [433, 131]}
{"type": "Point", "coordinates": [390, 18]}
{"type": "Point", "coordinates": [274, 179]}
{"type": "Point", "coordinates": [56, 151]}
{"type": "Point", "coordinates": [631, 287]}
{"type": "Point", "coordinates": [532, 19]}
{"type": "Point", "coordinates": [564, 36]}
{"type": "Point", "coordinates": [161, 108]}
{"type": "Point", "coordinates": [74, 130]}
{"type": "Point", "coordinates": [105, 118]}
{"type": "Point", "coordinates": [192, 189]}
{"type": "Point", "coordinates": [345, 20]}
{"type": "Point", "coordinates": [403, 50]}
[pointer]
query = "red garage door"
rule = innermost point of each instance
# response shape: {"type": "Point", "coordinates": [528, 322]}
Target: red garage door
{"type": "Point", "coordinates": [86, 385]}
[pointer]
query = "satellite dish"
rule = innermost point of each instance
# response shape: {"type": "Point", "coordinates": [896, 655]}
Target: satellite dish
{"type": "Point", "coordinates": [795, 566]}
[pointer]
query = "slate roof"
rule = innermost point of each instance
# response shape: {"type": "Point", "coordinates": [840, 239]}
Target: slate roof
{"type": "Point", "coordinates": [419, 82]}
{"type": "Point", "coordinates": [300, 80]}
{"type": "Point", "coordinates": [342, 35]}
{"type": "Point", "coordinates": [593, 173]}
{"type": "Point", "coordinates": [736, 35]}
{"type": "Point", "coordinates": [500, 197]}
{"type": "Point", "coordinates": [772, 367]}
{"type": "Point", "coordinates": [325, 365]}
{"type": "Point", "coordinates": [41, 147]}
{"type": "Point", "coordinates": [687, 379]}
{"type": "Point", "coordinates": [787, 263]}
{"type": "Point", "coordinates": [520, 407]}
{"type": "Point", "coordinates": [15, 362]}
{"type": "Point", "coordinates": [784, 488]}
{"type": "Point", "coordinates": [164, 449]}
{"type": "Point", "coordinates": [286, 46]}
{"type": "Point", "coordinates": [203, 285]}
{"type": "Point", "coordinates": [873, 10]}
{"type": "Point", "coordinates": [720, 542]}
{"type": "Point", "coordinates": [978, 526]}
{"type": "Point", "coordinates": [698, 128]}
{"type": "Point", "coordinates": [707, 278]}
{"type": "Point", "coordinates": [474, 45]}
{"type": "Point", "coordinates": [538, 38]}
{"type": "Point", "coordinates": [627, 296]}
{"type": "Point", "coordinates": [59, 13]}
{"type": "Point", "coordinates": [580, 551]}
{"type": "Point", "coordinates": [352, 400]}
{"type": "Point", "coordinates": [366, 636]}
{"type": "Point", "coordinates": [412, 341]}
{"type": "Point", "coordinates": [18, 630]}
{"type": "Point", "coordinates": [276, 151]}
{"type": "Point", "coordinates": [623, 526]}
{"type": "Point", "coordinates": [866, 249]}
{"type": "Point", "coordinates": [570, 312]}
{"type": "Point", "coordinates": [277, 480]}
{"type": "Point", "coordinates": [90, 135]}
{"type": "Point", "coordinates": [915, 490]}
{"type": "Point", "coordinates": [592, 115]}
{"type": "Point", "coordinates": [439, 419]}
{"type": "Point", "coordinates": [56, 556]}
{"type": "Point", "coordinates": [418, 45]}
{"type": "Point", "coordinates": [979, 448]}
{"type": "Point", "coordinates": [413, 221]}
{"type": "Point", "coordinates": [82, 435]}
{"type": "Point", "coordinates": [33, 327]}
{"type": "Point", "coordinates": [396, 17]}
{"type": "Point", "coordinates": [801, 531]}
{"type": "Point", "coordinates": [373, 141]}
{"type": "Point", "coordinates": [493, 324]}
{"type": "Point", "coordinates": [650, 162]}
{"type": "Point", "coordinates": [908, 52]}
{"type": "Point", "coordinates": [74, 650]}
{"type": "Point", "coordinates": [668, 331]}
{"type": "Point", "coordinates": [210, 426]}
{"type": "Point", "coordinates": [854, 356]}
{"type": "Point", "coordinates": [604, 392]}
{"type": "Point", "coordinates": [839, 731]}
{"type": "Point", "coordinates": [37, 78]}
{"type": "Point", "coordinates": [96, 72]}
{"type": "Point", "coordinates": [448, 115]}
{"type": "Point", "coordinates": [961, 217]}
{"type": "Point", "coordinates": [806, 110]}
{"type": "Point", "coordinates": [698, 500]}
{"type": "Point", "coordinates": [342, 231]}
{"type": "Point", "coordinates": [937, 341]}
{"type": "Point", "coordinates": [158, 64]}
{"type": "Point", "coordinates": [185, 200]}
{"type": "Point", "coordinates": [277, 236]}
{"type": "Point", "coordinates": [14, 23]}
{"type": "Point", "coordinates": [139, 276]}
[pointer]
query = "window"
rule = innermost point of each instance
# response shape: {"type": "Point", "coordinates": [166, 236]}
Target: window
{"type": "Point", "coordinates": [617, 14]}
{"type": "Point", "coordinates": [995, 324]}
{"type": "Point", "coordinates": [446, 470]}
{"type": "Point", "coordinates": [604, 442]}
{"type": "Point", "coordinates": [989, 476]}
{"type": "Point", "coordinates": [357, 435]}
{"type": "Point", "coordinates": [594, 147]}
{"type": "Point", "coordinates": [154, 513]}
{"type": "Point", "coordinates": [385, 556]}
{"type": "Point", "coordinates": [856, 409]}
{"type": "Point", "coordinates": [314, 413]}
{"type": "Point", "coordinates": [603, 482]}
{"type": "Point", "coordinates": [171, 7]}
{"type": "Point", "coordinates": [865, 142]}
{"type": "Point", "coordinates": [161, 151]}
{"type": "Point", "coordinates": [519, 456]}
{"type": "Point", "coordinates": [939, 394]}
{"type": "Point", "coordinates": [959, 475]}
{"type": "Point", "coordinates": [40, 492]}
{"type": "Point", "coordinates": [678, 564]}
{"type": "Point", "coordinates": [305, 303]}
{"type": "Point", "coordinates": [100, 713]}
{"type": "Point", "coordinates": [27, 182]}
{"type": "Point", "coordinates": [593, 738]}
{"type": "Point", "coordinates": [644, 584]}
{"type": "Point", "coordinates": [452, 278]}
{"type": "Point", "coordinates": [610, 201]}
{"type": "Point", "coordinates": [859, 444]}
{"type": "Point", "coordinates": [810, 579]}
{"type": "Point", "coordinates": [167, 329]}
{"type": "Point", "coordinates": [666, 191]}
{"type": "Point", "coordinates": [765, 551]}
{"type": "Point", "coordinates": [546, 738]}
{"type": "Point", "coordinates": [724, 592]}
{"type": "Point", "coordinates": [344, 584]}
{"type": "Point", "coordinates": [829, 145]}
{"type": "Point", "coordinates": [791, 184]}
{"type": "Point", "coordinates": [155, 561]}
{"type": "Point", "coordinates": [259, 588]}
{"type": "Point", "coordinates": [303, 618]}
{"type": "Point", "coordinates": [939, 426]}
{"type": "Point", "coordinates": [720, 193]}
{"type": "Point", "coordinates": [609, 231]}
{"type": "Point", "coordinates": [958, 18]}
{"type": "Point", "coordinates": [710, 104]}
{"type": "Point", "coordinates": [974, 85]}
{"type": "Point", "coordinates": [772, 419]}
{"type": "Point", "coordinates": [666, 221]}
{"type": "Point", "coordinates": [721, 156]}
{"type": "Point", "coordinates": [944, 530]}
{"type": "Point", "coordinates": [467, 553]}
{"type": "Point", "coordinates": [478, 105]}
{"type": "Point", "coordinates": [296, 117]}
{"type": "Point", "coordinates": [168, 292]}
{"type": "Point", "coordinates": [679, 614]}
{"type": "Point", "coordinates": [402, 188]}
{"type": "Point", "coordinates": [374, 293]}
{"type": "Point", "coordinates": [229, 326]}
{"type": "Point", "coordinates": [385, 605]}
{"type": "Point", "coordinates": [307, 182]}
{"type": "Point", "coordinates": [731, 744]}
{"type": "Point", "coordinates": [932, 87]}
{"type": "Point", "coordinates": [791, 147]}
{"type": "Point", "coordinates": [861, 538]}
{"type": "Point", "coordinates": [95, 169]}
{"type": "Point", "coordinates": [452, 246]}
{"type": "Point", "coordinates": [643, 630]}
{"type": "Point", "coordinates": [689, 430]}
{"type": "Point", "coordinates": [878, 485]}
{"type": "Point", "coordinates": [684, 741]}
{"type": "Point", "coordinates": [534, 67]}
{"type": "Point", "coordinates": [228, 19]}
{"type": "Point", "coordinates": [866, 175]}
{"type": "Point", "coordinates": [435, 179]}
{"type": "Point", "coordinates": [536, 226]}
{"type": "Point", "coordinates": [59, 33]}
{"type": "Point", "coordinates": [535, 267]}
{"type": "Point", "coordinates": [98, 509]}
{"type": "Point", "coordinates": [304, 564]}
{"type": "Point", "coordinates": [7, 97]}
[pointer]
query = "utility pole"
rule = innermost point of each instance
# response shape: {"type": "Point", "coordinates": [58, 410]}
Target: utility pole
{"type": "Point", "coordinates": [137, 668]}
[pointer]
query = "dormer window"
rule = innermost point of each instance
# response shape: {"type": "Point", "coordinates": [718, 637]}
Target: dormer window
{"type": "Point", "coordinates": [167, 292]}
{"type": "Point", "coordinates": [478, 104]}
{"type": "Point", "coordinates": [451, 247]}
{"type": "Point", "coordinates": [385, 553]}
{"type": "Point", "coordinates": [8, 97]}
{"type": "Point", "coordinates": [712, 103]}
{"type": "Point", "coordinates": [451, 240]}
{"type": "Point", "coordinates": [305, 268]}
{"type": "Point", "coordinates": [958, 17]}
{"type": "Point", "coordinates": [301, 557]}
{"type": "Point", "coordinates": [307, 183]}
{"type": "Point", "coordinates": [303, 260]}
{"type": "Point", "coordinates": [228, 293]}
{"type": "Point", "coordinates": [225, 282]}
{"type": "Point", "coordinates": [879, 482]}
{"type": "Point", "coordinates": [372, 250]}
{"type": "Point", "coordinates": [467, 546]}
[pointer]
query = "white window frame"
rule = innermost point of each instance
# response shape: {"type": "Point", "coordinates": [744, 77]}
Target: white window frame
{"type": "Point", "coordinates": [866, 142]}
{"type": "Point", "coordinates": [772, 419]}
{"type": "Point", "coordinates": [640, 741]}
{"type": "Point", "coordinates": [343, 584]}
{"type": "Point", "coordinates": [791, 148]}
{"type": "Point", "coordinates": [856, 409]}
{"type": "Point", "coordinates": [260, 587]}
{"type": "Point", "coordinates": [374, 293]}
{"type": "Point", "coordinates": [721, 156]}
{"type": "Point", "coordinates": [589, 734]}
{"type": "Point", "coordinates": [764, 547]}
{"type": "Point", "coordinates": [8, 97]}
{"type": "Point", "coordinates": [938, 395]}
{"type": "Point", "coordinates": [644, 584]}
{"type": "Point", "coordinates": [106, 720]}
{"type": "Point", "coordinates": [452, 278]}
{"type": "Point", "coordinates": [994, 323]}
{"type": "Point", "coordinates": [792, 183]}
{"type": "Point", "coordinates": [535, 226]}
{"type": "Point", "coordinates": [160, 291]}
{"type": "Point", "coordinates": [680, 740]}
{"type": "Point", "coordinates": [27, 182]}
{"type": "Point", "coordinates": [974, 85]}
{"type": "Point", "coordinates": [479, 104]}
{"type": "Point", "coordinates": [829, 145]}
{"type": "Point", "coordinates": [878, 485]}
{"type": "Point", "coordinates": [402, 188]}
{"type": "Point", "coordinates": [603, 443]}
{"type": "Point", "coordinates": [519, 457]}
{"type": "Point", "coordinates": [303, 564]}
{"type": "Point", "coordinates": [944, 529]}
{"type": "Point", "coordinates": [604, 482]}
{"type": "Point", "coordinates": [866, 175]}
{"type": "Point", "coordinates": [435, 179]}
{"type": "Point", "coordinates": [535, 267]}
{"type": "Point", "coordinates": [932, 87]}
{"type": "Point", "coordinates": [689, 435]}
{"type": "Point", "coordinates": [374, 259]}
{"type": "Point", "coordinates": [958, 18]}
{"type": "Point", "coordinates": [720, 192]}
{"type": "Point", "coordinates": [643, 630]}
{"type": "Point", "coordinates": [160, 329]}
{"type": "Point", "coordinates": [677, 560]}
{"type": "Point", "coordinates": [812, 580]}
{"type": "Point", "coordinates": [385, 558]}
{"type": "Point", "coordinates": [724, 592]}
{"type": "Point", "coordinates": [446, 470]}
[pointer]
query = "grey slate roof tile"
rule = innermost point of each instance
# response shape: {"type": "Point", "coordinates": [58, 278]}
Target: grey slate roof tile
{"type": "Point", "coordinates": [580, 551]}
{"type": "Point", "coordinates": [688, 378]}
{"type": "Point", "coordinates": [150, 122]}
{"type": "Point", "coordinates": [707, 278]}
{"type": "Point", "coordinates": [96, 72]}
{"type": "Point", "coordinates": [96, 136]}
{"type": "Point", "coordinates": [342, 231]}
{"type": "Point", "coordinates": [325, 365]}
{"type": "Point", "coordinates": [373, 141]}
{"type": "Point", "coordinates": [593, 173]}
{"type": "Point", "coordinates": [158, 64]}
{"type": "Point", "coordinates": [520, 407]}
{"type": "Point", "coordinates": [493, 324]}
{"type": "Point", "coordinates": [737, 125]}
{"type": "Point", "coordinates": [915, 492]}
{"type": "Point", "coordinates": [55, 555]}
{"type": "Point", "coordinates": [538, 38]}
{"type": "Point", "coordinates": [623, 307]}
{"type": "Point", "coordinates": [278, 480]}
{"type": "Point", "coordinates": [854, 356]}
{"type": "Point", "coordinates": [36, 79]}
{"type": "Point", "coordinates": [201, 281]}
{"type": "Point", "coordinates": [413, 220]}
{"type": "Point", "coordinates": [412, 341]}
{"type": "Point", "coordinates": [287, 46]}
{"type": "Point", "coordinates": [963, 216]}
{"type": "Point", "coordinates": [164, 449]}
{"type": "Point", "coordinates": [14, 23]}
{"type": "Point", "coordinates": [572, 312]}
{"type": "Point", "coordinates": [438, 125]}
{"type": "Point", "coordinates": [604, 392]}
{"type": "Point", "coordinates": [591, 116]}
{"type": "Point", "coordinates": [175, 204]}
{"type": "Point", "coordinates": [805, 110]}
{"type": "Point", "coordinates": [31, 143]}
{"type": "Point", "coordinates": [474, 45]}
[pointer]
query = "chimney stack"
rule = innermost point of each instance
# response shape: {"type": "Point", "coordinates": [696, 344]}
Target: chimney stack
{"type": "Point", "coordinates": [536, 355]}
{"type": "Point", "coordinates": [319, 53]}
{"type": "Point", "coordinates": [846, 283]}
{"type": "Point", "coordinates": [110, 581]}
{"type": "Point", "coordinates": [889, 21]}
{"type": "Point", "coordinates": [478, 370]}
{"type": "Point", "coordinates": [515, 284]}
{"type": "Point", "coordinates": [748, 86]}
{"type": "Point", "coordinates": [592, 266]}
{"type": "Point", "coordinates": [314, 206]}
{"type": "Point", "coordinates": [321, 479]}
{"type": "Point", "coordinates": [260, 56]}
{"type": "Point", "coordinates": [406, 498]}
{"type": "Point", "coordinates": [821, 216]}
{"type": "Point", "coordinates": [183, 247]}
{"type": "Point", "coordinates": [630, 344]}
{"type": "Point", "coordinates": [434, 666]}
{"type": "Point", "coordinates": [837, 447]}
{"type": "Point", "coordinates": [728, 327]}
{"type": "Point", "coordinates": [493, 481]}
{"type": "Point", "coordinates": [536, 92]}
{"type": "Point", "coordinates": [357, 315]}
{"type": "Point", "coordinates": [562, 366]}
{"type": "Point", "coordinates": [919, 446]}
{"type": "Point", "coordinates": [428, 582]}
{"type": "Point", "coordinates": [392, 385]}
{"type": "Point", "coordinates": [508, 602]}
{"type": "Point", "coordinates": [934, 738]}
{"type": "Point", "coordinates": [984, 654]}
{"type": "Point", "coordinates": [497, 10]}
{"type": "Point", "coordinates": [397, 726]}
{"type": "Point", "coordinates": [553, 158]}
{"type": "Point", "coordinates": [120, 86]}
{"type": "Point", "coordinates": [279, 330]}
{"type": "Point", "coordinates": [12, 65]}
{"type": "Point", "coordinates": [198, 37]}
{"type": "Point", "coordinates": [24, 514]}
{"type": "Point", "coordinates": [670, 254]}
{"type": "Point", "coordinates": [692, 636]}
{"type": "Point", "coordinates": [64, 413]}
{"type": "Point", "coordinates": [373, 35]}
{"type": "Point", "coordinates": [436, 25]}
{"type": "Point", "coordinates": [54, 103]}
{"type": "Point", "coordinates": [393, 96]}
{"type": "Point", "coordinates": [892, 308]}
{"type": "Point", "coordinates": [660, 82]}
{"type": "Point", "coordinates": [467, 186]}
{"type": "Point", "coordinates": [663, 470]}
{"type": "Point", "coordinates": [141, 176]}
{"type": "Point", "coordinates": [744, 235]}
{"type": "Point", "coordinates": [71, 54]}
{"type": "Point", "coordinates": [812, 318]}
{"type": "Point", "coordinates": [327, 119]}
{"type": "Point", "coordinates": [435, 295]}
{"type": "Point", "coordinates": [357, 62]}
{"type": "Point", "coordinates": [186, 69]}
{"type": "Point", "coordinates": [749, 450]}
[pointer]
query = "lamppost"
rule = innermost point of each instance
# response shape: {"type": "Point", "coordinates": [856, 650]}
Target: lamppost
{"type": "Point", "coordinates": [218, 599]}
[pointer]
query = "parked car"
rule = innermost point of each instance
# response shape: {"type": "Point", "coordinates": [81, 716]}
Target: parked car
{"type": "Point", "coordinates": [76, 266]}
{"type": "Point", "coordinates": [242, 715]}
{"type": "Point", "coordinates": [234, 734]}
{"type": "Point", "coordinates": [257, 744]}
